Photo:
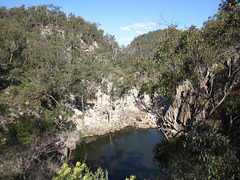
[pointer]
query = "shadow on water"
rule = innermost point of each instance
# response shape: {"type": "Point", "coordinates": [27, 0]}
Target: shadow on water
{"type": "Point", "coordinates": [122, 153]}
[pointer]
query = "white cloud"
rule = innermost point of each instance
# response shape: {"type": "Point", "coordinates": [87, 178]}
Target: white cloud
{"type": "Point", "coordinates": [139, 26]}
{"type": "Point", "coordinates": [127, 38]}
{"type": "Point", "coordinates": [125, 28]}
{"type": "Point", "coordinates": [139, 32]}
{"type": "Point", "coordinates": [144, 25]}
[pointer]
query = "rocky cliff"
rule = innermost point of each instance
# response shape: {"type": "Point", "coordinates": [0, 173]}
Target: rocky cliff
{"type": "Point", "coordinates": [104, 115]}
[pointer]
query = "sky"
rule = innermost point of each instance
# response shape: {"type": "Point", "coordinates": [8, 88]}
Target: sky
{"type": "Point", "coordinates": [127, 19]}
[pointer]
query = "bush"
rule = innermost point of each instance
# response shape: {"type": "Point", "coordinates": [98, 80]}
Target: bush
{"type": "Point", "coordinates": [25, 127]}
{"type": "Point", "coordinates": [207, 155]}
{"type": "Point", "coordinates": [81, 171]}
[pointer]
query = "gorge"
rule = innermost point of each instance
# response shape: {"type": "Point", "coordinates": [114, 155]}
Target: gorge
{"type": "Point", "coordinates": [63, 81]}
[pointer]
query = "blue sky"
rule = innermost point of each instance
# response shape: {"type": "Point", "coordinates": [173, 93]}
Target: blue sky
{"type": "Point", "coordinates": [127, 19]}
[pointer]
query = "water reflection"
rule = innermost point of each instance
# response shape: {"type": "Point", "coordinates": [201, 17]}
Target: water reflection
{"type": "Point", "coordinates": [122, 153]}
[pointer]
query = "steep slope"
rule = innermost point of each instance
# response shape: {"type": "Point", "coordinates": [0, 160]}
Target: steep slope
{"type": "Point", "coordinates": [145, 46]}
{"type": "Point", "coordinates": [47, 60]}
{"type": "Point", "coordinates": [46, 57]}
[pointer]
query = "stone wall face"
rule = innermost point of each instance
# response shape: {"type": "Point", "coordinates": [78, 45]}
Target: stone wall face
{"type": "Point", "coordinates": [103, 115]}
{"type": "Point", "coordinates": [178, 112]}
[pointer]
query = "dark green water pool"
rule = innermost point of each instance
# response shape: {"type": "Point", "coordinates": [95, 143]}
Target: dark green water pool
{"type": "Point", "coordinates": [122, 153]}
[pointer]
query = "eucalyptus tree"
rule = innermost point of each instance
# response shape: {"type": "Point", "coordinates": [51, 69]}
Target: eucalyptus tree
{"type": "Point", "coordinates": [209, 60]}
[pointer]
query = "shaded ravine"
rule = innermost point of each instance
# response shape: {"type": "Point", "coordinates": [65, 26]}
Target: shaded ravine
{"type": "Point", "coordinates": [122, 153]}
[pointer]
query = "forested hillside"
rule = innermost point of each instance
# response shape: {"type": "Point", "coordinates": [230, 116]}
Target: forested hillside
{"type": "Point", "coordinates": [50, 62]}
{"type": "Point", "coordinates": [45, 50]}
{"type": "Point", "coordinates": [144, 46]}
{"type": "Point", "coordinates": [47, 60]}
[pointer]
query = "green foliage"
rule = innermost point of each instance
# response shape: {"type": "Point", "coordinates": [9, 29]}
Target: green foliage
{"type": "Point", "coordinates": [144, 46]}
{"type": "Point", "coordinates": [23, 129]}
{"type": "Point", "coordinates": [81, 171]}
{"type": "Point", "coordinates": [46, 57]}
{"type": "Point", "coordinates": [4, 105]}
{"type": "Point", "coordinates": [231, 105]}
{"type": "Point", "coordinates": [132, 177]}
{"type": "Point", "coordinates": [168, 154]}
{"type": "Point", "coordinates": [50, 62]}
{"type": "Point", "coordinates": [189, 55]}
{"type": "Point", "coordinates": [180, 55]}
{"type": "Point", "coordinates": [213, 157]}
{"type": "Point", "coordinates": [210, 155]}
{"type": "Point", "coordinates": [224, 26]}
{"type": "Point", "coordinates": [229, 114]}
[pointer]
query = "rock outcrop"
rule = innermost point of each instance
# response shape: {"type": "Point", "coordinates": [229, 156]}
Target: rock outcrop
{"type": "Point", "coordinates": [177, 113]}
{"type": "Point", "coordinates": [103, 115]}
{"type": "Point", "coordinates": [181, 111]}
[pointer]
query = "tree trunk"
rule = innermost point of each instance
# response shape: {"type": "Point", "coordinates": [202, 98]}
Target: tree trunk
{"type": "Point", "coordinates": [83, 113]}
